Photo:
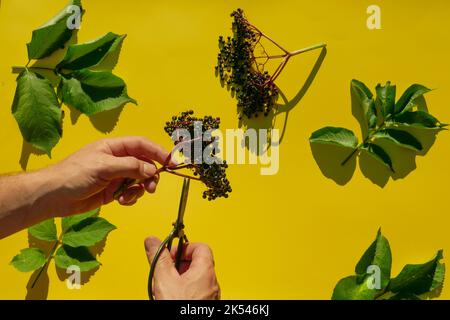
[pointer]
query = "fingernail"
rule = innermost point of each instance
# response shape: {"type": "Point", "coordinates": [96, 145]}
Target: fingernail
{"type": "Point", "coordinates": [148, 170]}
{"type": "Point", "coordinates": [152, 185]}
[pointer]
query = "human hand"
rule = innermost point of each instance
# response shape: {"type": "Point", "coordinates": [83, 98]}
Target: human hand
{"type": "Point", "coordinates": [88, 178]}
{"type": "Point", "coordinates": [196, 279]}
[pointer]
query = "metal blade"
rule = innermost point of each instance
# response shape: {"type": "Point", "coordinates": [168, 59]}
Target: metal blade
{"type": "Point", "coordinates": [183, 200]}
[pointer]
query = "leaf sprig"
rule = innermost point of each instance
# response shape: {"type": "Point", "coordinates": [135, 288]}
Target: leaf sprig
{"type": "Point", "coordinates": [79, 233]}
{"type": "Point", "coordinates": [414, 282]}
{"type": "Point", "coordinates": [383, 119]}
{"type": "Point", "coordinates": [243, 71]}
{"type": "Point", "coordinates": [84, 81]}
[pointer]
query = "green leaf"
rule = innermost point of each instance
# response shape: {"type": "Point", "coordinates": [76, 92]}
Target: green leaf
{"type": "Point", "coordinates": [336, 136]}
{"type": "Point", "coordinates": [37, 111]}
{"type": "Point", "coordinates": [419, 279]}
{"type": "Point", "coordinates": [379, 154]}
{"type": "Point", "coordinates": [364, 98]}
{"type": "Point", "coordinates": [350, 288]}
{"type": "Point", "coordinates": [45, 230]}
{"type": "Point", "coordinates": [93, 53]}
{"type": "Point", "coordinates": [378, 254]}
{"type": "Point", "coordinates": [401, 138]}
{"type": "Point", "coordinates": [29, 259]}
{"type": "Point", "coordinates": [385, 98]}
{"type": "Point", "coordinates": [87, 232]}
{"type": "Point", "coordinates": [407, 100]}
{"type": "Point", "coordinates": [67, 256]}
{"type": "Point", "coordinates": [419, 119]}
{"type": "Point", "coordinates": [92, 92]}
{"type": "Point", "coordinates": [68, 222]}
{"type": "Point", "coordinates": [52, 35]}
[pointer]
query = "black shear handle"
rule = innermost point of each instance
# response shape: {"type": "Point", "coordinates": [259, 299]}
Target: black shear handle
{"type": "Point", "coordinates": [167, 243]}
{"type": "Point", "coordinates": [182, 239]}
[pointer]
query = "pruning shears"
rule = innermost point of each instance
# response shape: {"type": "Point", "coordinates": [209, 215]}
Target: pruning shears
{"type": "Point", "coordinates": [177, 232]}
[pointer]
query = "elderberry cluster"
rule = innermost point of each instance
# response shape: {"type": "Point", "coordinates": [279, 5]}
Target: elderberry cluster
{"type": "Point", "coordinates": [238, 70]}
{"type": "Point", "coordinates": [212, 175]}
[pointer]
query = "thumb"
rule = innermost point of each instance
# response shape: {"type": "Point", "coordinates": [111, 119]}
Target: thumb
{"type": "Point", "coordinates": [127, 167]}
{"type": "Point", "coordinates": [165, 266]}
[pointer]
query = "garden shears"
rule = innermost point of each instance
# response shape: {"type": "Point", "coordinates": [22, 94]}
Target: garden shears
{"type": "Point", "coordinates": [177, 232]}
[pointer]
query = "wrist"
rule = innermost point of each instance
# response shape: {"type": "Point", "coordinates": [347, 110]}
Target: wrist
{"type": "Point", "coordinates": [45, 188]}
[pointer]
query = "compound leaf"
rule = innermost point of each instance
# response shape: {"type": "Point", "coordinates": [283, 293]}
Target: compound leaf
{"type": "Point", "coordinates": [88, 232]}
{"type": "Point", "coordinates": [67, 256]}
{"type": "Point", "coordinates": [37, 111]}
{"type": "Point", "coordinates": [419, 279]}
{"type": "Point", "coordinates": [385, 99]}
{"type": "Point", "coordinates": [379, 154]}
{"type": "Point", "coordinates": [29, 259]}
{"type": "Point", "coordinates": [52, 35]}
{"type": "Point", "coordinates": [93, 53]}
{"type": "Point", "coordinates": [337, 136]}
{"type": "Point", "coordinates": [362, 285]}
{"type": "Point", "coordinates": [407, 100]}
{"type": "Point", "coordinates": [45, 230]}
{"type": "Point", "coordinates": [68, 222]}
{"type": "Point", "coordinates": [401, 138]}
{"type": "Point", "coordinates": [419, 119]}
{"type": "Point", "coordinates": [92, 92]}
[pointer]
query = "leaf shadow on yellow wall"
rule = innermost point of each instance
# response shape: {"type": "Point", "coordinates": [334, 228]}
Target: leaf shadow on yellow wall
{"type": "Point", "coordinates": [105, 121]}
{"type": "Point", "coordinates": [329, 159]}
{"type": "Point", "coordinates": [40, 289]}
{"type": "Point", "coordinates": [85, 277]}
{"type": "Point", "coordinates": [27, 151]}
{"type": "Point", "coordinates": [268, 122]}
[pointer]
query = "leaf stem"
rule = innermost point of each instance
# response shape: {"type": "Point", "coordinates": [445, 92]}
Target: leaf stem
{"type": "Point", "coordinates": [310, 48]}
{"type": "Point", "coordinates": [19, 69]}
{"type": "Point", "coordinates": [49, 257]}
{"type": "Point", "coordinates": [380, 294]}
{"type": "Point", "coordinates": [182, 175]}
{"type": "Point", "coordinates": [367, 139]}
{"type": "Point", "coordinates": [266, 36]}
{"type": "Point", "coordinates": [352, 154]}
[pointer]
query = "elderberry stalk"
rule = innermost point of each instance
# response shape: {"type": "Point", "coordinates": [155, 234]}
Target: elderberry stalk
{"type": "Point", "coordinates": [243, 72]}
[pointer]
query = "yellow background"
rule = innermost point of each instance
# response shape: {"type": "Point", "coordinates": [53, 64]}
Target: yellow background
{"type": "Point", "coordinates": [288, 236]}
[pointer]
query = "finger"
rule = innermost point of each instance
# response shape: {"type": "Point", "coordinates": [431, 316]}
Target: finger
{"type": "Point", "coordinates": [150, 184]}
{"type": "Point", "coordinates": [137, 147]}
{"type": "Point", "coordinates": [165, 266]}
{"type": "Point", "coordinates": [126, 167]}
{"type": "Point", "coordinates": [184, 263]}
{"type": "Point", "coordinates": [201, 257]}
{"type": "Point", "coordinates": [108, 193]}
{"type": "Point", "coordinates": [198, 254]}
{"type": "Point", "coordinates": [131, 195]}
